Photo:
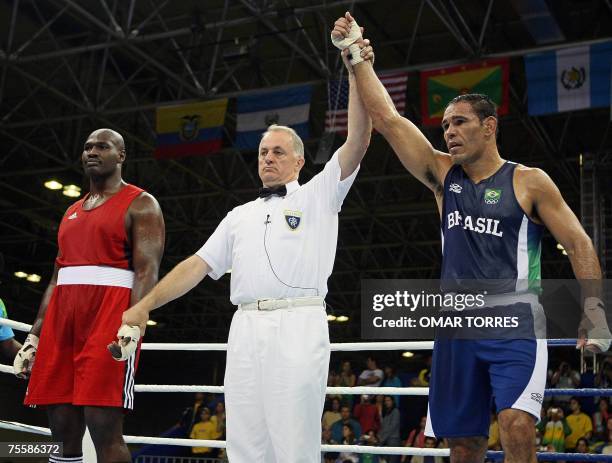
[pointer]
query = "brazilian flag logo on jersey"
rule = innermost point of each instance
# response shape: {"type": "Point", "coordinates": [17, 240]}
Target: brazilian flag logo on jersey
{"type": "Point", "coordinates": [492, 195]}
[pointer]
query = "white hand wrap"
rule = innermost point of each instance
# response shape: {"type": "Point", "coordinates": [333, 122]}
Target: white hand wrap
{"type": "Point", "coordinates": [595, 324]}
{"type": "Point", "coordinates": [349, 42]}
{"type": "Point", "coordinates": [128, 337]}
{"type": "Point", "coordinates": [26, 355]}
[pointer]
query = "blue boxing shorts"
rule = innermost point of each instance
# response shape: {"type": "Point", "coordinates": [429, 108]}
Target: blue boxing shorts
{"type": "Point", "coordinates": [469, 375]}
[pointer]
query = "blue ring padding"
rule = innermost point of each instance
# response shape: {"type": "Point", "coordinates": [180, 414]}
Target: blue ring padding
{"type": "Point", "coordinates": [552, 456]}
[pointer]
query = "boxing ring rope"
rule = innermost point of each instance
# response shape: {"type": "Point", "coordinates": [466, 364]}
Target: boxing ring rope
{"type": "Point", "coordinates": [358, 390]}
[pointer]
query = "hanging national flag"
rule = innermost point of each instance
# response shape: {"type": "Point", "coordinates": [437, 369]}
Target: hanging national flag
{"type": "Point", "coordinates": [257, 111]}
{"type": "Point", "coordinates": [569, 79]}
{"type": "Point", "coordinates": [190, 129]}
{"type": "Point", "coordinates": [336, 116]}
{"type": "Point", "coordinates": [440, 86]}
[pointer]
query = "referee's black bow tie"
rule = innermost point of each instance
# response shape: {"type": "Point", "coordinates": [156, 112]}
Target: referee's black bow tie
{"type": "Point", "coordinates": [278, 191]}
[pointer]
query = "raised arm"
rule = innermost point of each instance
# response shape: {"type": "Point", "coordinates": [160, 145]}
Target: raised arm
{"type": "Point", "coordinates": [359, 127]}
{"type": "Point", "coordinates": [412, 147]}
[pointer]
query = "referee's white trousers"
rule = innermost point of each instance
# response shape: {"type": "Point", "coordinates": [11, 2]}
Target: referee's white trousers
{"type": "Point", "coordinates": [275, 381]}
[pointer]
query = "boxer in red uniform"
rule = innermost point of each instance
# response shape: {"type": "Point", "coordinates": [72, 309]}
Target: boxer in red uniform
{"type": "Point", "coordinates": [110, 246]}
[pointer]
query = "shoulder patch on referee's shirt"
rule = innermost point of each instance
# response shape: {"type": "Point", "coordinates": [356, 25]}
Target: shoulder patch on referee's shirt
{"type": "Point", "coordinates": [293, 219]}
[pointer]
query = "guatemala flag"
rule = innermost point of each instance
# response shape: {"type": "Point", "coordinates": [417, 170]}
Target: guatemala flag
{"type": "Point", "coordinates": [255, 112]}
{"type": "Point", "coordinates": [569, 79]}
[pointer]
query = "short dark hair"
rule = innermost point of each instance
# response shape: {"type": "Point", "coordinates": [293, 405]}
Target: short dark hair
{"type": "Point", "coordinates": [481, 104]}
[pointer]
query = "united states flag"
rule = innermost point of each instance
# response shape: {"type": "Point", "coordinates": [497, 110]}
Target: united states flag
{"type": "Point", "coordinates": [336, 116]}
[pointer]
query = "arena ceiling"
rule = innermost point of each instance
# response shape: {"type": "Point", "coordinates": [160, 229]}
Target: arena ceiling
{"type": "Point", "coordinates": [70, 66]}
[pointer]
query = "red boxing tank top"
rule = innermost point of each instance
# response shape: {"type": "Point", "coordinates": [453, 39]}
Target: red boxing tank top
{"type": "Point", "coordinates": [97, 236]}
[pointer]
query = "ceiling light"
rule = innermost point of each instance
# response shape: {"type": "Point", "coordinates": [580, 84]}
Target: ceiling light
{"type": "Point", "coordinates": [407, 354]}
{"type": "Point", "coordinates": [342, 318]}
{"type": "Point", "coordinates": [33, 277]}
{"type": "Point", "coordinates": [151, 322]}
{"type": "Point", "coordinates": [564, 252]}
{"type": "Point", "coordinates": [53, 184]}
{"type": "Point", "coordinates": [20, 274]}
{"type": "Point", "coordinates": [72, 191]}
{"type": "Point", "coordinates": [560, 247]}
{"type": "Point", "coordinates": [331, 318]}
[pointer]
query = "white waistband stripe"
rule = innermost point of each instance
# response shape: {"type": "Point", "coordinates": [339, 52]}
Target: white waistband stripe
{"type": "Point", "coordinates": [95, 275]}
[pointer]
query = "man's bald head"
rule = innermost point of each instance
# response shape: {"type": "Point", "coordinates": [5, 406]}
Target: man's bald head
{"type": "Point", "coordinates": [113, 136]}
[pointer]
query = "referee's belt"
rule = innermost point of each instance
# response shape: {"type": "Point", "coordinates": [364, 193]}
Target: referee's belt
{"type": "Point", "coordinates": [287, 303]}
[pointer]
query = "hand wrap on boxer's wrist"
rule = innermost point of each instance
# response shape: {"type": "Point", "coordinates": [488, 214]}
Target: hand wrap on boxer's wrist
{"type": "Point", "coordinates": [26, 355]}
{"type": "Point", "coordinates": [127, 342]}
{"type": "Point", "coordinates": [595, 324]}
{"type": "Point", "coordinates": [349, 42]}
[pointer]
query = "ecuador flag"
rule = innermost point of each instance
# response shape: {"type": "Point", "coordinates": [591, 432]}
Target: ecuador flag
{"type": "Point", "coordinates": [190, 129]}
{"type": "Point", "coordinates": [439, 86]}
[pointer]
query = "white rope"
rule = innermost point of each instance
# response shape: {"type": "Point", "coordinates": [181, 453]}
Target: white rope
{"type": "Point", "coordinates": [337, 346]}
{"type": "Point", "coordinates": [177, 388]}
{"type": "Point", "coordinates": [358, 390]}
{"type": "Point", "coordinates": [183, 346]}
{"type": "Point", "coordinates": [412, 391]}
{"type": "Point", "coordinates": [6, 369]}
{"type": "Point", "coordinates": [222, 444]}
{"type": "Point", "coordinates": [15, 325]}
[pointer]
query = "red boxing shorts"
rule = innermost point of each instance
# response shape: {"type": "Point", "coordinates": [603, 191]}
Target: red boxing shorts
{"type": "Point", "coordinates": [72, 364]}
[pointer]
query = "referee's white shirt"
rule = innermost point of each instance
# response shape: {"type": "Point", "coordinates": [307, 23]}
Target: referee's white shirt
{"type": "Point", "coordinates": [301, 256]}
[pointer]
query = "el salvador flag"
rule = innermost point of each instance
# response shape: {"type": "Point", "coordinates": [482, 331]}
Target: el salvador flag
{"type": "Point", "coordinates": [255, 112]}
{"type": "Point", "coordinates": [569, 79]}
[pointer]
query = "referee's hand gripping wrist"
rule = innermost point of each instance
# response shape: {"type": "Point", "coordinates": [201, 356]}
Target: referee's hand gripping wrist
{"type": "Point", "coordinates": [133, 324]}
{"type": "Point", "coordinates": [347, 34]}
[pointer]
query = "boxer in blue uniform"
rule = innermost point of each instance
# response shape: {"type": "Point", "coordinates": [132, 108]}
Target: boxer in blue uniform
{"type": "Point", "coordinates": [492, 215]}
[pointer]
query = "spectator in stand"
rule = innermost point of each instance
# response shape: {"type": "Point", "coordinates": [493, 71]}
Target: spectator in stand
{"type": "Point", "coordinates": [348, 438]}
{"type": "Point", "coordinates": [579, 423]}
{"type": "Point", "coordinates": [416, 438]}
{"type": "Point", "coordinates": [372, 375]}
{"type": "Point", "coordinates": [494, 442]}
{"type": "Point", "coordinates": [8, 345]}
{"type": "Point", "coordinates": [326, 439]}
{"type": "Point", "coordinates": [582, 446]}
{"type": "Point", "coordinates": [430, 443]}
{"type": "Point", "coordinates": [600, 418]}
{"type": "Point", "coordinates": [369, 438]}
{"type": "Point", "coordinates": [218, 419]}
{"type": "Point", "coordinates": [605, 445]}
{"type": "Point", "coordinates": [331, 415]}
{"type": "Point", "coordinates": [192, 414]}
{"type": "Point", "coordinates": [206, 430]}
{"type": "Point", "coordinates": [336, 429]}
{"type": "Point", "coordinates": [379, 402]}
{"type": "Point", "coordinates": [333, 379]}
{"type": "Point", "coordinates": [422, 380]}
{"type": "Point", "coordinates": [391, 380]}
{"type": "Point", "coordinates": [564, 378]}
{"type": "Point", "coordinates": [367, 414]}
{"type": "Point", "coordinates": [347, 379]}
{"type": "Point", "coordinates": [389, 434]}
{"type": "Point", "coordinates": [554, 429]}
{"type": "Point", "coordinates": [604, 377]}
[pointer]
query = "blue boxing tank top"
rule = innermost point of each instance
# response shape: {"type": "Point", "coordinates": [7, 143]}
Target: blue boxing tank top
{"type": "Point", "coordinates": [486, 235]}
